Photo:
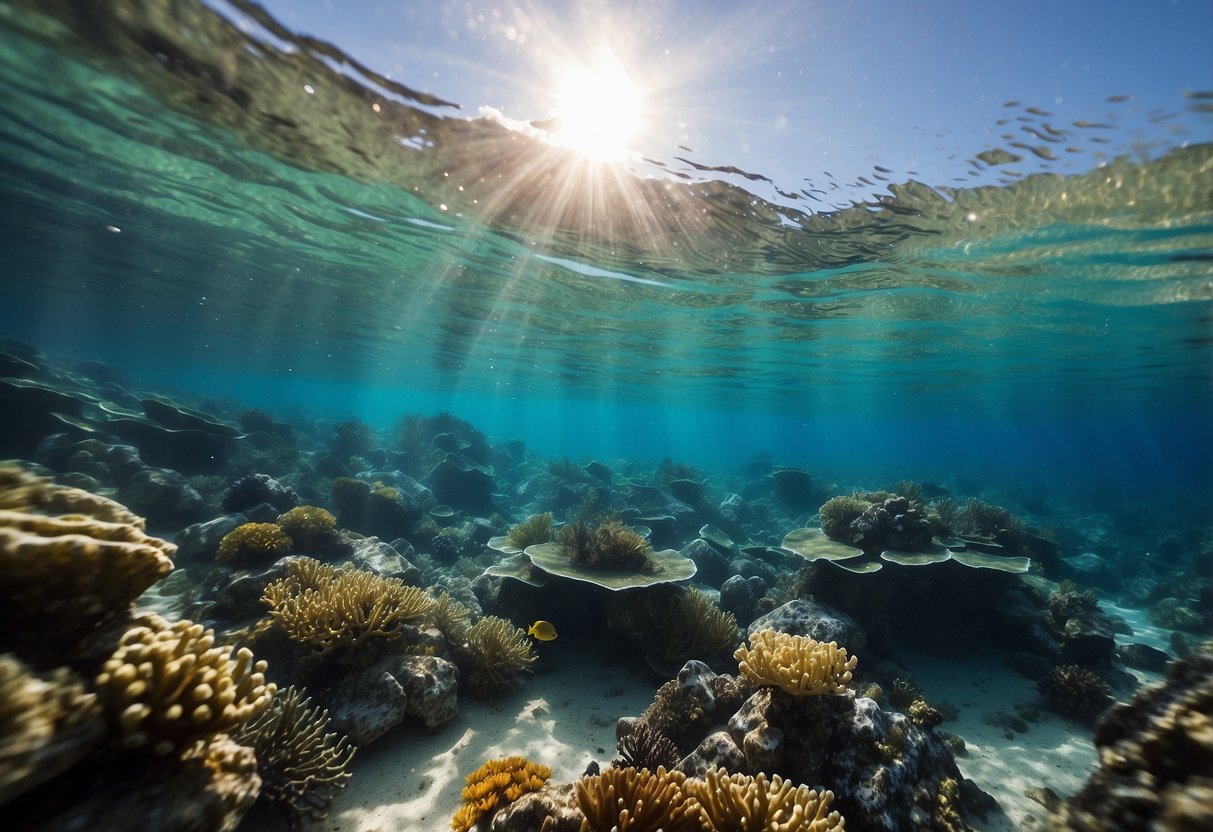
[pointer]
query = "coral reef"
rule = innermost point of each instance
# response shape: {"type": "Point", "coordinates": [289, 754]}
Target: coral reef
{"type": "Point", "coordinates": [637, 800]}
{"type": "Point", "coordinates": [253, 544]}
{"type": "Point", "coordinates": [167, 686]}
{"type": "Point", "coordinates": [1075, 692]}
{"type": "Point", "coordinates": [495, 784]}
{"type": "Point", "coordinates": [796, 664]}
{"type": "Point", "coordinates": [646, 747]}
{"type": "Point", "coordinates": [303, 766]}
{"type": "Point", "coordinates": [535, 529]}
{"type": "Point", "coordinates": [342, 609]}
{"type": "Point", "coordinates": [839, 512]}
{"type": "Point", "coordinates": [23, 491]}
{"type": "Point", "coordinates": [1156, 758]}
{"type": "Point", "coordinates": [451, 618]}
{"type": "Point", "coordinates": [603, 544]}
{"type": "Point", "coordinates": [693, 626]}
{"type": "Point", "coordinates": [891, 524]}
{"type": "Point", "coordinates": [46, 726]}
{"type": "Point", "coordinates": [740, 802]}
{"type": "Point", "coordinates": [310, 529]}
{"type": "Point", "coordinates": [500, 652]}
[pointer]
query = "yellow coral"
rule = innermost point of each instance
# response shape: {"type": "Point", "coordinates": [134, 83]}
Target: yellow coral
{"type": "Point", "coordinates": [64, 577]}
{"type": "Point", "coordinates": [329, 608]}
{"type": "Point", "coordinates": [46, 726]}
{"type": "Point", "coordinates": [169, 686]}
{"type": "Point", "coordinates": [754, 804]}
{"type": "Point", "coordinates": [637, 800]}
{"type": "Point", "coordinates": [253, 543]}
{"type": "Point", "coordinates": [495, 784]}
{"type": "Point", "coordinates": [23, 491]}
{"type": "Point", "coordinates": [502, 653]}
{"type": "Point", "coordinates": [307, 526]}
{"type": "Point", "coordinates": [796, 664]}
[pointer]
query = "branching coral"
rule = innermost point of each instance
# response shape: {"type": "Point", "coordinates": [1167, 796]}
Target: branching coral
{"type": "Point", "coordinates": [647, 748]}
{"type": "Point", "coordinates": [62, 578]}
{"type": "Point", "coordinates": [328, 608]}
{"type": "Point", "coordinates": [253, 543]}
{"type": "Point", "coordinates": [1075, 692]}
{"type": "Point", "coordinates": [495, 784]}
{"type": "Point", "coordinates": [46, 726]}
{"type": "Point", "coordinates": [167, 686]}
{"type": "Point", "coordinates": [796, 664]}
{"type": "Point", "coordinates": [694, 626]}
{"type": "Point", "coordinates": [451, 618]}
{"type": "Point", "coordinates": [754, 804]}
{"type": "Point", "coordinates": [535, 529]}
{"type": "Point", "coordinates": [502, 653]}
{"type": "Point", "coordinates": [303, 766]}
{"type": "Point", "coordinates": [637, 800]}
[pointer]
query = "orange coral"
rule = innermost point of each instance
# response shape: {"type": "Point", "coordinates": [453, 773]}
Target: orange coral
{"type": "Point", "coordinates": [495, 784]}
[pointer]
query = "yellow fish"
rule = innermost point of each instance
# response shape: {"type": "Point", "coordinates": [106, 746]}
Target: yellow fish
{"type": "Point", "coordinates": [542, 631]}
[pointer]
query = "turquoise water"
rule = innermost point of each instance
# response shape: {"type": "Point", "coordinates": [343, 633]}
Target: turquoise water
{"type": "Point", "coordinates": [173, 207]}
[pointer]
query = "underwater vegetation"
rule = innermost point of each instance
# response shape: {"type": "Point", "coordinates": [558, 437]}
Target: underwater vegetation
{"type": "Point", "coordinates": [646, 747]}
{"type": "Point", "coordinates": [796, 664]}
{"type": "Point", "coordinates": [535, 529]}
{"type": "Point", "coordinates": [495, 784]}
{"type": "Point", "coordinates": [500, 652]}
{"type": "Point", "coordinates": [637, 799]}
{"type": "Point", "coordinates": [600, 542]}
{"type": "Point", "coordinates": [693, 626]}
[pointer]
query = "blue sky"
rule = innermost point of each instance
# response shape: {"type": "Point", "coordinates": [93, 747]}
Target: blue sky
{"type": "Point", "coordinates": [793, 90]}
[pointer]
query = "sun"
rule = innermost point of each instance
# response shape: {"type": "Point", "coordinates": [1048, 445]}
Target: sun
{"type": "Point", "coordinates": [599, 111]}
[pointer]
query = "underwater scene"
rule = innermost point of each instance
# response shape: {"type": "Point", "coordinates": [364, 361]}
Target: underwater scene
{"type": "Point", "coordinates": [573, 417]}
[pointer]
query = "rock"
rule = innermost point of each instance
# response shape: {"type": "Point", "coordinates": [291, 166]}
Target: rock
{"type": "Point", "coordinates": [1086, 641]}
{"type": "Point", "coordinates": [737, 597]}
{"type": "Point", "coordinates": [199, 543]}
{"type": "Point", "coordinates": [238, 594]}
{"type": "Point", "coordinates": [373, 554]}
{"type": "Point", "coordinates": [1144, 657]}
{"type": "Point", "coordinates": [817, 621]}
{"type": "Point", "coordinates": [1030, 665]}
{"type": "Point", "coordinates": [459, 482]}
{"type": "Point", "coordinates": [717, 749]}
{"type": "Point", "coordinates": [1036, 639]}
{"type": "Point", "coordinates": [1089, 569]}
{"type": "Point", "coordinates": [1175, 615]}
{"type": "Point", "coordinates": [371, 701]}
{"type": "Point", "coordinates": [330, 467]}
{"type": "Point", "coordinates": [553, 807]}
{"type": "Point", "coordinates": [124, 462]}
{"type": "Point", "coordinates": [735, 509]}
{"type": "Point", "coordinates": [162, 496]}
{"type": "Point", "coordinates": [711, 566]}
{"type": "Point", "coordinates": [259, 488]}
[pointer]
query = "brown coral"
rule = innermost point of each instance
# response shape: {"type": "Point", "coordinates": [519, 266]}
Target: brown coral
{"type": "Point", "coordinates": [303, 766]}
{"type": "Point", "coordinates": [738, 801]}
{"type": "Point", "coordinates": [694, 626]}
{"type": "Point", "coordinates": [310, 529]}
{"type": "Point", "coordinates": [637, 800]}
{"type": "Point", "coordinates": [253, 543]}
{"type": "Point", "coordinates": [47, 725]}
{"type": "Point", "coordinates": [1075, 692]}
{"type": "Point", "coordinates": [23, 491]}
{"type": "Point", "coordinates": [798, 665]}
{"type": "Point", "coordinates": [501, 652]}
{"type": "Point", "coordinates": [167, 686]}
{"type": "Point", "coordinates": [495, 784]}
{"type": "Point", "coordinates": [535, 529]}
{"type": "Point", "coordinates": [330, 608]}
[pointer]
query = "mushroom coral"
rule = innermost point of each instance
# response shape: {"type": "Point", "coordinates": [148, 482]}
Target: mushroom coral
{"type": "Point", "coordinates": [344, 609]}
{"type": "Point", "coordinates": [495, 784]}
{"type": "Point", "coordinates": [167, 686]}
{"type": "Point", "coordinates": [798, 665]}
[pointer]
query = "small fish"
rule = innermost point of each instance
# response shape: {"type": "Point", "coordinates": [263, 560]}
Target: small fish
{"type": "Point", "coordinates": [542, 631]}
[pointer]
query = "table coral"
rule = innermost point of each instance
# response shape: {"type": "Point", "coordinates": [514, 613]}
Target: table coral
{"type": "Point", "coordinates": [637, 800]}
{"type": "Point", "coordinates": [796, 664]}
{"type": "Point", "coordinates": [756, 804]}
{"type": "Point", "coordinates": [496, 784]}
{"type": "Point", "coordinates": [330, 608]}
{"type": "Point", "coordinates": [167, 686]}
{"type": "Point", "coordinates": [303, 765]}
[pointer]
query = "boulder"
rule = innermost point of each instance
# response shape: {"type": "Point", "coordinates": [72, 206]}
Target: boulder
{"type": "Point", "coordinates": [817, 621]}
{"type": "Point", "coordinates": [371, 701]}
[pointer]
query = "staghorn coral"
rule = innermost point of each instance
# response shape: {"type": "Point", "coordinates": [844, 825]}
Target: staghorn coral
{"type": "Point", "coordinates": [167, 686]}
{"type": "Point", "coordinates": [63, 578]}
{"type": "Point", "coordinates": [344, 609]}
{"type": "Point", "coordinates": [310, 529]}
{"type": "Point", "coordinates": [535, 529]}
{"type": "Point", "coordinates": [47, 725]}
{"type": "Point", "coordinates": [637, 800]}
{"type": "Point", "coordinates": [754, 804]}
{"type": "Point", "coordinates": [501, 653]}
{"type": "Point", "coordinates": [646, 747]}
{"type": "Point", "coordinates": [1075, 692]}
{"type": "Point", "coordinates": [253, 543]}
{"type": "Point", "coordinates": [796, 664]}
{"type": "Point", "coordinates": [495, 784]}
{"type": "Point", "coordinates": [693, 626]}
{"type": "Point", "coordinates": [303, 766]}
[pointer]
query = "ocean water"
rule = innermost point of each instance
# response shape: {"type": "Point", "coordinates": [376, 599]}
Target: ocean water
{"type": "Point", "coordinates": [243, 218]}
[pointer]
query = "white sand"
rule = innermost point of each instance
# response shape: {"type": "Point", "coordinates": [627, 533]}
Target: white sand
{"type": "Point", "coordinates": [410, 779]}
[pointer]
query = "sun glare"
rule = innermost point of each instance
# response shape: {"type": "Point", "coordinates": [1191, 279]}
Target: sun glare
{"type": "Point", "coordinates": [598, 112]}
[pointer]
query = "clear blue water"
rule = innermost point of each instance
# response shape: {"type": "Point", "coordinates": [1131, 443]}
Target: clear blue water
{"type": "Point", "coordinates": [210, 236]}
